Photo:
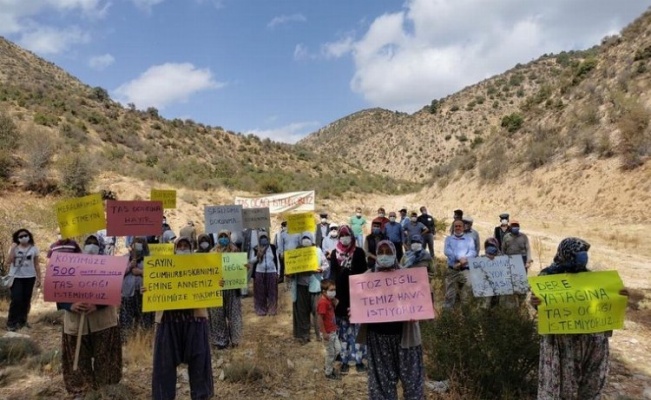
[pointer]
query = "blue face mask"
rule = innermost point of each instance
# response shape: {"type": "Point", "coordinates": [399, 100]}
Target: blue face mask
{"type": "Point", "coordinates": [223, 241]}
{"type": "Point", "coordinates": [376, 231]}
{"type": "Point", "coordinates": [264, 242]}
{"type": "Point", "coordinates": [581, 258]}
{"type": "Point", "coordinates": [491, 250]}
{"type": "Point", "coordinates": [515, 230]}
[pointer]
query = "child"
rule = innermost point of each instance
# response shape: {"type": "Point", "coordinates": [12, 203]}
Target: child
{"type": "Point", "coordinates": [327, 326]}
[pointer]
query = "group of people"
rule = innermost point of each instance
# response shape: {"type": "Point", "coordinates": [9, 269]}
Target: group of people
{"type": "Point", "coordinates": [387, 352]}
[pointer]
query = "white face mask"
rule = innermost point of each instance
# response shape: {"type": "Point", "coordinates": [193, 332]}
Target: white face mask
{"type": "Point", "coordinates": [386, 260]}
{"type": "Point", "coordinates": [345, 240]}
{"type": "Point", "coordinates": [91, 249]}
{"type": "Point", "coordinates": [59, 237]}
{"type": "Point", "coordinates": [416, 246]}
{"type": "Point", "coordinates": [359, 214]}
{"type": "Point", "coordinates": [413, 219]}
{"type": "Point", "coordinates": [138, 246]}
{"type": "Point", "coordinates": [504, 222]}
{"type": "Point", "coordinates": [333, 234]}
{"type": "Point", "coordinates": [392, 219]}
{"type": "Point", "coordinates": [324, 220]}
{"type": "Point", "coordinates": [23, 240]}
{"type": "Point", "coordinates": [381, 215]}
{"type": "Point", "coordinates": [204, 245]}
{"type": "Point", "coordinates": [306, 242]}
{"type": "Point", "coordinates": [183, 252]}
{"type": "Point", "coordinates": [331, 294]}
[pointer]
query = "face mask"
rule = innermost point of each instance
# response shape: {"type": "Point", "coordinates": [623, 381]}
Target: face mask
{"type": "Point", "coordinates": [381, 215]}
{"type": "Point", "coordinates": [392, 219]}
{"type": "Point", "coordinates": [59, 237]}
{"type": "Point", "coordinates": [223, 241]}
{"type": "Point", "coordinates": [23, 240]}
{"type": "Point", "coordinates": [413, 219]}
{"type": "Point", "coordinates": [283, 228]}
{"type": "Point", "coordinates": [376, 231]}
{"type": "Point", "coordinates": [264, 242]}
{"type": "Point", "coordinates": [581, 258]}
{"type": "Point", "coordinates": [331, 294]}
{"type": "Point", "coordinates": [459, 234]}
{"type": "Point", "coordinates": [386, 260]}
{"type": "Point", "coordinates": [333, 234]}
{"type": "Point", "coordinates": [515, 230]}
{"type": "Point", "coordinates": [323, 220]}
{"type": "Point", "coordinates": [183, 251]}
{"type": "Point", "coordinates": [416, 247]}
{"type": "Point", "coordinates": [504, 222]}
{"type": "Point", "coordinates": [359, 215]}
{"type": "Point", "coordinates": [91, 249]}
{"type": "Point", "coordinates": [491, 250]}
{"type": "Point", "coordinates": [138, 246]}
{"type": "Point", "coordinates": [345, 240]}
{"type": "Point", "coordinates": [306, 242]}
{"type": "Point", "coordinates": [204, 245]}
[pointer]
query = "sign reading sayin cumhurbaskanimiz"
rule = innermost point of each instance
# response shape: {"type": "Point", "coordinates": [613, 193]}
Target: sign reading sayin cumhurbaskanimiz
{"type": "Point", "coordinates": [223, 217]}
{"type": "Point", "coordinates": [586, 302]}
{"type": "Point", "coordinates": [301, 222]}
{"type": "Point", "coordinates": [167, 197]}
{"type": "Point", "coordinates": [256, 218]}
{"type": "Point", "coordinates": [134, 218]}
{"type": "Point", "coordinates": [94, 279]}
{"type": "Point", "coordinates": [161, 249]}
{"type": "Point", "coordinates": [304, 259]}
{"type": "Point", "coordinates": [183, 281]}
{"type": "Point", "coordinates": [399, 295]}
{"type": "Point", "coordinates": [503, 275]}
{"type": "Point", "coordinates": [80, 215]}
{"type": "Point", "coordinates": [235, 271]}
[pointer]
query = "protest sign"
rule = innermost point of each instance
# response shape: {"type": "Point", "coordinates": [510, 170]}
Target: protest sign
{"type": "Point", "coordinates": [281, 202]}
{"type": "Point", "coordinates": [161, 249]}
{"type": "Point", "coordinates": [234, 270]}
{"type": "Point", "coordinates": [167, 197]}
{"type": "Point", "coordinates": [400, 295]}
{"type": "Point", "coordinates": [503, 275]}
{"type": "Point", "coordinates": [80, 215]}
{"type": "Point", "coordinates": [301, 222]}
{"type": "Point", "coordinates": [134, 218]}
{"type": "Point", "coordinates": [586, 302]}
{"type": "Point", "coordinates": [256, 218]}
{"type": "Point", "coordinates": [303, 259]}
{"type": "Point", "coordinates": [223, 217]}
{"type": "Point", "coordinates": [75, 277]}
{"type": "Point", "coordinates": [183, 281]}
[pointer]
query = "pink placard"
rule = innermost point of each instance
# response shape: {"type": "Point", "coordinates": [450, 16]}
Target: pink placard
{"type": "Point", "coordinates": [76, 277]}
{"type": "Point", "coordinates": [134, 218]}
{"type": "Point", "coordinates": [399, 295]}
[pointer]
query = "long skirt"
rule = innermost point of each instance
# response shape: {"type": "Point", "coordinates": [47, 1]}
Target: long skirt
{"type": "Point", "coordinates": [226, 321]}
{"type": "Point", "coordinates": [265, 293]}
{"type": "Point", "coordinates": [350, 350]}
{"type": "Point", "coordinates": [301, 313]}
{"type": "Point", "coordinates": [132, 317]}
{"type": "Point", "coordinates": [100, 360]}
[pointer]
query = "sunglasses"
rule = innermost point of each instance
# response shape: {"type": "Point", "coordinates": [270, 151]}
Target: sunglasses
{"type": "Point", "coordinates": [23, 236]}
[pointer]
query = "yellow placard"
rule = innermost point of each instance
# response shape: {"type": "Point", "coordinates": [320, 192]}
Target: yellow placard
{"type": "Point", "coordinates": [586, 302]}
{"type": "Point", "coordinates": [81, 215]}
{"type": "Point", "coordinates": [184, 281]}
{"type": "Point", "coordinates": [301, 222]}
{"type": "Point", "coordinates": [304, 259]}
{"type": "Point", "coordinates": [161, 249]}
{"type": "Point", "coordinates": [235, 272]}
{"type": "Point", "coordinates": [168, 197]}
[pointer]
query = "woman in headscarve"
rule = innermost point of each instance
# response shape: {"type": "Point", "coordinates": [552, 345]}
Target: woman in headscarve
{"type": "Point", "coordinates": [394, 348]}
{"type": "Point", "coordinates": [131, 314]}
{"type": "Point", "coordinates": [492, 250]}
{"type": "Point", "coordinates": [573, 366]}
{"type": "Point", "coordinates": [226, 321]}
{"type": "Point", "coordinates": [348, 259]}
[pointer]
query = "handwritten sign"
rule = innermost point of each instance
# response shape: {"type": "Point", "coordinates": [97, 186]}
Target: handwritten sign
{"type": "Point", "coordinates": [223, 217]}
{"type": "Point", "coordinates": [303, 259]}
{"type": "Point", "coordinates": [182, 281]}
{"type": "Point", "coordinates": [80, 215]}
{"type": "Point", "coordinates": [400, 295]}
{"type": "Point", "coordinates": [71, 278]}
{"type": "Point", "coordinates": [161, 249]}
{"type": "Point", "coordinates": [586, 302]}
{"type": "Point", "coordinates": [235, 272]}
{"type": "Point", "coordinates": [134, 218]}
{"type": "Point", "coordinates": [281, 202]}
{"type": "Point", "coordinates": [167, 197]}
{"type": "Point", "coordinates": [256, 218]}
{"type": "Point", "coordinates": [301, 222]}
{"type": "Point", "coordinates": [502, 275]}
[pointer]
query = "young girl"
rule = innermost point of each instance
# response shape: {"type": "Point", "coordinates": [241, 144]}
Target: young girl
{"type": "Point", "coordinates": [26, 271]}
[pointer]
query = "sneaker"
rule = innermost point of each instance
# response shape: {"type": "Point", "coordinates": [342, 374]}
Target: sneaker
{"type": "Point", "coordinates": [344, 368]}
{"type": "Point", "coordinates": [333, 377]}
{"type": "Point", "coordinates": [360, 368]}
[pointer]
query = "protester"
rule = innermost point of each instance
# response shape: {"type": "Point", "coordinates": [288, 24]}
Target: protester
{"type": "Point", "coordinates": [501, 230]}
{"type": "Point", "coordinates": [330, 242]}
{"type": "Point", "coordinates": [381, 218]}
{"type": "Point", "coordinates": [414, 228]}
{"type": "Point", "coordinates": [322, 229]}
{"type": "Point", "coordinates": [283, 242]}
{"type": "Point", "coordinates": [182, 338]}
{"type": "Point", "coordinates": [416, 256]}
{"type": "Point", "coordinates": [395, 234]}
{"type": "Point", "coordinates": [394, 348]}
{"type": "Point", "coordinates": [226, 321]}
{"type": "Point", "coordinates": [328, 326]}
{"type": "Point", "coordinates": [457, 216]}
{"type": "Point", "coordinates": [492, 250]}
{"type": "Point", "coordinates": [357, 224]}
{"type": "Point", "coordinates": [371, 241]}
{"type": "Point", "coordinates": [189, 231]}
{"type": "Point", "coordinates": [131, 314]}
{"type": "Point", "coordinates": [25, 270]}
{"type": "Point", "coordinates": [430, 223]}
{"type": "Point", "coordinates": [404, 218]}
{"type": "Point", "coordinates": [468, 230]}
{"type": "Point", "coordinates": [100, 354]}
{"type": "Point", "coordinates": [204, 243]}
{"type": "Point", "coordinates": [267, 274]}
{"type": "Point", "coordinates": [458, 249]}
{"type": "Point", "coordinates": [348, 260]}
{"type": "Point", "coordinates": [572, 366]}
{"type": "Point", "coordinates": [168, 235]}
{"type": "Point", "coordinates": [517, 243]}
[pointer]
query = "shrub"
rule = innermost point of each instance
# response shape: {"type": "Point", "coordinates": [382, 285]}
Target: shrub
{"type": "Point", "coordinates": [9, 134]}
{"type": "Point", "coordinates": [512, 122]}
{"type": "Point", "coordinates": [14, 350]}
{"type": "Point", "coordinates": [7, 165]}
{"type": "Point", "coordinates": [39, 148]}
{"type": "Point", "coordinates": [635, 141]}
{"type": "Point", "coordinates": [77, 173]}
{"type": "Point", "coordinates": [454, 108]}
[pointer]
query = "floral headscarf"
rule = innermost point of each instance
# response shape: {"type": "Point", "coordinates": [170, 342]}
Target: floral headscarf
{"type": "Point", "coordinates": [565, 259]}
{"type": "Point", "coordinates": [345, 253]}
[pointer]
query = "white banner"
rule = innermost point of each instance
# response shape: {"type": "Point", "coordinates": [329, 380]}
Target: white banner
{"type": "Point", "coordinates": [282, 202]}
{"type": "Point", "coordinates": [500, 276]}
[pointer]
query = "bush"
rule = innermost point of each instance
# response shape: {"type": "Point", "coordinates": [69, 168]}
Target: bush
{"type": "Point", "coordinates": [77, 174]}
{"type": "Point", "coordinates": [39, 148]}
{"type": "Point", "coordinates": [9, 134]}
{"type": "Point", "coordinates": [635, 141]}
{"type": "Point", "coordinates": [14, 350]}
{"type": "Point", "coordinates": [7, 165]}
{"type": "Point", "coordinates": [512, 122]}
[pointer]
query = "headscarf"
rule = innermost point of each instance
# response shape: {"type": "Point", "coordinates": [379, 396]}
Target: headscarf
{"type": "Point", "coordinates": [412, 258]}
{"type": "Point", "coordinates": [231, 248]}
{"type": "Point", "coordinates": [492, 242]}
{"type": "Point", "coordinates": [565, 258]}
{"type": "Point", "coordinates": [308, 235]}
{"type": "Point", "coordinates": [345, 253]}
{"type": "Point", "coordinates": [204, 237]}
{"type": "Point", "coordinates": [182, 239]}
{"type": "Point", "coordinates": [392, 249]}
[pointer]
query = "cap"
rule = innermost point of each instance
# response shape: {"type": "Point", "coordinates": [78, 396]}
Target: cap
{"type": "Point", "coordinates": [467, 218]}
{"type": "Point", "coordinates": [334, 226]}
{"type": "Point", "coordinates": [403, 210]}
{"type": "Point", "coordinates": [504, 216]}
{"type": "Point", "coordinates": [323, 215]}
{"type": "Point", "coordinates": [514, 223]}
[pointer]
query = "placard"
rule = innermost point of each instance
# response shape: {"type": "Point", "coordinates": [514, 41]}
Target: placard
{"type": "Point", "coordinates": [235, 271]}
{"type": "Point", "coordinates": [167, 197]}
{"type": "Point", "coordinates": [134, 218]}
{"type": "Point", "coordinates": [76, 277]}
{"type": "Point", "coordinates": [586, 302]}
{"type": "Point", "coordinates": [161, 249]}
{"type": "Point", "coordinates": [301, 222]}
{"type": "Point", "coordinates": [80, 215]}
{"type": "Point", "coordinates": [181, 282]}
{"type": "Point", "coordinates": [223, 217]}
{"type": "Point", "coordinates": [304, 259]}
{"type": "Point", "coordinates": [281, 202]}
{"type": "Point", "coordinates": [502, 275]}
{"type": "Point", "coordinates": [256, 218]}
{"type": "Point", "coordinates": [398, 295]}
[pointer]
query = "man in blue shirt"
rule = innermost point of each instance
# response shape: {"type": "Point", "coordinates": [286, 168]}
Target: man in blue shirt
{"type": "Point", "coordinates": [395, 233]}
{"type": "Point", "coordinates": [458, 249]}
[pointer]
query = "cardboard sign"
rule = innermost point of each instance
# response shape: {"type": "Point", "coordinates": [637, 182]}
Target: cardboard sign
{"type": "Point", "coordinates": [235, 271]}
{"type": "Point", "coordinates": [256, 218]}
{"type": "Point", "coordinates": [94, 279]}
{"type": "Point", "coordinates": [301, 222]}
{"type": "Point", "coordinates": [167, 197]}
{"type": "Point", "coordinates": [134, 218]}
{"type": "Point", "coordinates": [80, 216]}
{"type": "Point", "coordinates": [586, 302]}
{"type": "Point", "coordinates": [223, 217]}
{"type": "Point", "coordinates": [282, 202]}
{"type": "Point", "coordinates": [161, 249]}
{"type": "Point", "coordinates": [180, 282]}
{"type": "Point", "coordinates": [304, 259]}
{"type": "Point", "coordinates": [399, 295]}
{"type": "Point", "coordinates": [502, 275]}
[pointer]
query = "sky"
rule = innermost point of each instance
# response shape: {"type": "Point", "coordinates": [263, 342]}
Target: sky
{"type": "Point", "coordinates": [285, 68]}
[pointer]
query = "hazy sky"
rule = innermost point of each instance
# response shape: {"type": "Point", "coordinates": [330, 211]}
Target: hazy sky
{"type": "Point", "coordinates": [284, 68]}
